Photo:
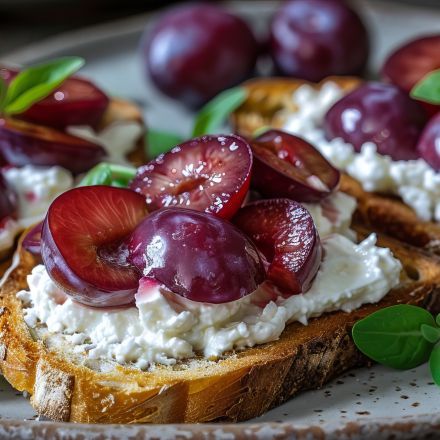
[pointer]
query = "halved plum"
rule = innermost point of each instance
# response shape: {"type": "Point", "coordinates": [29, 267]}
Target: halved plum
{"type": "Point", "coordinates": [379, 113]}
{"type": "Point", "coordinates": [82, 244]}
{"type": "Point", "coordinates": [196, 255]}
{"type": "Point", "coordinates": [288, 166]}
{"type": "Point", "coordinates": [8, 200]}
{"type": "Point", "coordinates": [23, 143]}
{"type": "Point", "coordinates": [209, 173]}
{"type": "Point", "coordinates": [76, 101]}
{"type": "Point", "coordinates": [285, 233]}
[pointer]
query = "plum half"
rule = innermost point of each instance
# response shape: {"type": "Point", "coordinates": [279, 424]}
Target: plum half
{"type": "Point", "coordinates": [196, 255]}
{"type": "Point", "coordinates": [288, 166]}
{"type": "Point", "coordinates": [285, 233]}
{"type": "Point", "coordinates": [210, 174]}
{"type": "Point", "coordinates": [82, 244]}
{"type": "Point", "coordinates": [23, 143]}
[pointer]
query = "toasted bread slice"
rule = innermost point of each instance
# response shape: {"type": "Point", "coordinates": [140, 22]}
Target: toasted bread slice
{"type": "Point", "coordinates": [270, 100]}
{"type": "Point", "coordinates": [239, 386]}
{"type": "Point", "coordinates": [117, 110]}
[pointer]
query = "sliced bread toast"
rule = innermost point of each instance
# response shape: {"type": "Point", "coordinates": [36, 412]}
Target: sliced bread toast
{"type": "Point", "coordinates": [270, 100]}
{"type": "Point", "coordinates": [238, 387]}
{"type": "Point", "coordinates": [117, 110]}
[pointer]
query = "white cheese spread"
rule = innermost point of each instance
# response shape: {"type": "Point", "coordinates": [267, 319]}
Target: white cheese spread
{"type": "Point", "coordinates": [158, 331]}
{"type": "Point", "coordinates": [414, 181]}
{"type": "Point", "coordinates": [36, 188]}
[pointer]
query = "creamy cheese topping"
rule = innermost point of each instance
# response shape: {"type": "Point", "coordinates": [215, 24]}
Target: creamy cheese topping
{"type": "Point", "coordinates": [159, 331]}
{"type": "Point", "coordinates": [118, 139]}
{"type": "Point", "coordinates": [414, 181]}
{"type": "Point", "coordinates": [36, 188]}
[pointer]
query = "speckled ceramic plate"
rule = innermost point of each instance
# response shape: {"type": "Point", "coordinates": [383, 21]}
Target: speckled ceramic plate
{"type": "Point", "coordinates": [371, 403]}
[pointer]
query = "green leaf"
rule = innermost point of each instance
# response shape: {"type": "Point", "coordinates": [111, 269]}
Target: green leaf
{"type": "Point", "coordinates": [211, 117]}
{"type": "Point", "coordinates": [35, 83]}
{"type": "Point", "coordinates": [428, 88]}
{"type": "Point", "coordinates": [434, 364]}
{"type": "Point", "coordinates": [159, 142]}
{"type": "Point", "coordinates": [109, 174]}
{"type": "Point", "coordinates": [431, 334]}
{"type": "Point", "coordinates": [437, 320]}
{"type": "Point", "coordinates": [3, 89]}
{"type": "Point", "coordinates": [392, 336]}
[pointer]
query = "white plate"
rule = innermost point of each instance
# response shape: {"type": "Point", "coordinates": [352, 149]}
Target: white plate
{"type": "Point", "coordinates": [367, 403]}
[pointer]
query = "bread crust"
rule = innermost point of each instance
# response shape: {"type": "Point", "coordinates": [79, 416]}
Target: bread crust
{"type": "Point", "coordinates": [117, 110]}
{"type": "Point", "coordinates": [269, 100]}
{"type": "Point", "coordinates": [241, 386]}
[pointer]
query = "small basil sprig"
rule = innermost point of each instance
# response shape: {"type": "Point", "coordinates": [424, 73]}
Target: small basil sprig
{"type": "Point", "coordinates": [35, 83]}
{"type": "Point", "coordinates": [208, 120]}
{"type": "Point", "coordinates": [428, 88]}
{"type": "Point", "coordinates": [401, 336]}
{"type": "Point", "coordinates": [109, 174]}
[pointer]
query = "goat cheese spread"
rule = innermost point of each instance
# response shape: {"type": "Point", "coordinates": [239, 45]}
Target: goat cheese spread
{"type": "Point", "coordinates": [36, 188]}
{"type": "Point", "coordinates": [159, 330]}
{"type": "Point", "coordinates": [414, 181]}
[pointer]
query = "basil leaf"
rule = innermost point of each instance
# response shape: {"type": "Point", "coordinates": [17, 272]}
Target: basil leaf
{"type": "Point", "coordinates": [214, 113]}
{"type": "Point", "coordinates": [109, 174]}
{"type": "Point", "coordinates": [159, 142]}
{"type": "Point", "coordinates": [392, 336]}
{"type": "Point", "coordinates": [434, 364]}
{"type": "Point", "coordinates": [431, 334]}
{"type": "Point", "coordinates": [3, 89]}
{"type": "Point", "coordinates": [437, 320]}
{"type": "Point", "coordinates": [35, 83]}
{"type": "Point", "coordinates": [428, 88]}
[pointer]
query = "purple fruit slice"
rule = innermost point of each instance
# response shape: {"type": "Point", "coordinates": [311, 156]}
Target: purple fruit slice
{"type": "Point", "coordinates": [23, 143]}
{"type": "Point", "coordinates": [82, 244]}
{"type": "Point", "coordinates": [196, 255]}
{"type": "Point", "coordinates": [210, 174]}
{"type": "Point", "coordinates": [76, 102]}
{"type": "Point", "coordinates": [284, 232]}
{"type": "Point", "coordinates": [288, 166]}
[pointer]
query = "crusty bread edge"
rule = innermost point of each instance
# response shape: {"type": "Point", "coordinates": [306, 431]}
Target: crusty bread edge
{"type": "Point", "coordinates": [239, 387]}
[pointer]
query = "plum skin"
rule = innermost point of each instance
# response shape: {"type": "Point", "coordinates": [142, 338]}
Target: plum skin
{"type": "Point", "coordinates": [196, 255]}
{"type": "Point", "coordinates": [313, 39]}
{"type": "Point", "coordinates": [196, 51]}
{"type": "Point", "coordinates": [429, 143]}
{"type": "Point", "coordinates": [378, 113]}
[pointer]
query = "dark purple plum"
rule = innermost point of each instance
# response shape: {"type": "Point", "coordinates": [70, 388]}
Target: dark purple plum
{"type": "Point", "coordinates": [76, 102]}
{"type": "Point", "coordinates": [196, 51]}
{"type": "Point", "coordinates": [312, 39]}
{"type": "Point", "coordinates": [210, 174]}
{"type": "Point", "coordinates": [23, 143]}
{"type": "Point", "coordinates": [288, 166]}
{"type": "Point", "coordinates": [429, 143]}
{"type": "Point", "coordinates": [196, 255]}
{"type": "Point", "coordinates": [379, 113]}
{"type": "Point", "coordinates": [8, 200]}
{"type": "Point", "coordinates": [82, 244]}
{"type": "Point", "coordinates": [285, 233]}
